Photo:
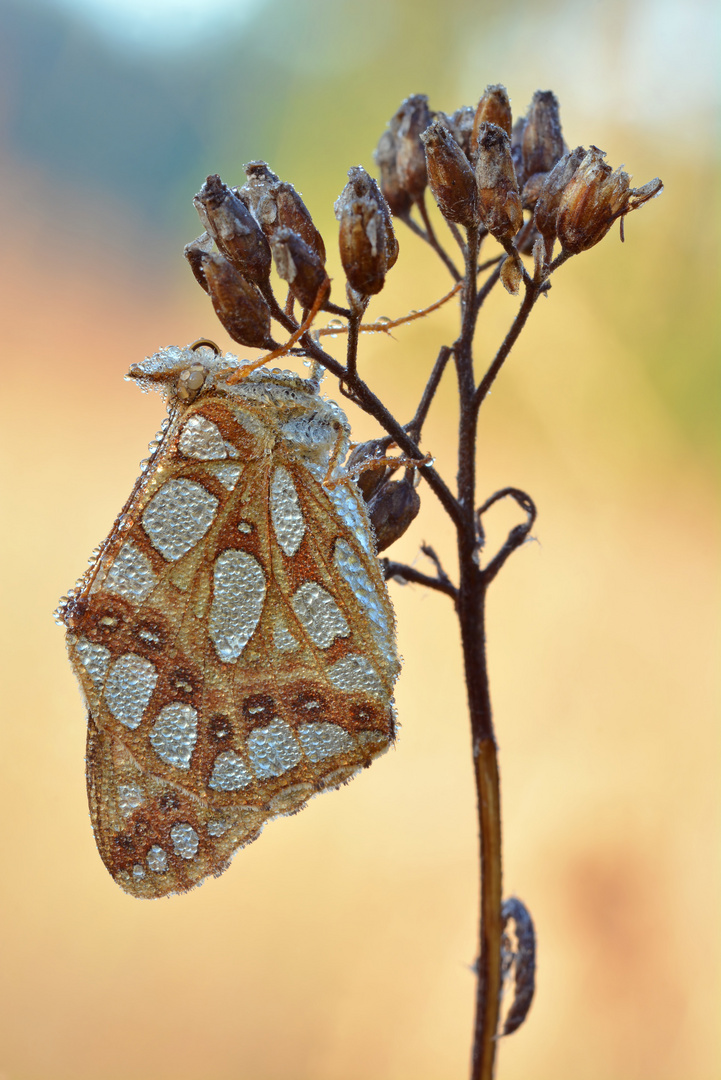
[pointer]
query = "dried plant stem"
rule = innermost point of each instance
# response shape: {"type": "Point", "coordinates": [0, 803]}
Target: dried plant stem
{"type": "Point", "coordinates": [430, 236]}
{"type": "Point", "coordinates": [470, 594]}
{"type": "Point", "coordinates": [532, 293]}
{"type": "Point", "coordinates": [470, 607]}
{"type": "Point", "coordinates": [488, 991]}
{"type": "Point", "coordinates": [477, 181]}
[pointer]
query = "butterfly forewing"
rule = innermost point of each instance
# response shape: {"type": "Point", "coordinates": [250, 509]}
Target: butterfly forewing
{"type": "Point", "coordinates": [234, 639]}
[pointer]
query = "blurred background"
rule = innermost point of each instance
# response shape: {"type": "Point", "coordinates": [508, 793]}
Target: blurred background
{"type": "Point", "coordinates": [339, 947]}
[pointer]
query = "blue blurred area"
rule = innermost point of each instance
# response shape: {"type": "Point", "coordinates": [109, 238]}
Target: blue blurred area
{"type": "Point", "coordinates": [93, 118]}
{"type": "Point", "coordinates": [147, 128]}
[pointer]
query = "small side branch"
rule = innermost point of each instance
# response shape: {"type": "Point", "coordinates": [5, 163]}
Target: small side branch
{"type": "Point", "coordinates": [363, 396]}
{"type": "Point", "coordinates": [532, 293]}
{"type": "Point", "coordinates": [516, 536]}
{"type": "Point", "coordinates": [416, 425]}
{"type": "Point", "coordinates": [409, 573]}
{"type": "Point", "coordinates": [432, 239]}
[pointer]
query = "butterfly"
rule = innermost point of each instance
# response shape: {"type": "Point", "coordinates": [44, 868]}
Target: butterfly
{"type": "Point", "coordinates": [233, 637]}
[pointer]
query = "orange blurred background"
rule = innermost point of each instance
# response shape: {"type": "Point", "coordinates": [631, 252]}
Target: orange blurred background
{"type": "Point", "coordinates": [339, 947]}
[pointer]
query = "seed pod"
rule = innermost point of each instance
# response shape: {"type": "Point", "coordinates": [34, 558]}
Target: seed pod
{"type": "Point", "coordinates": [539, 259]}
{"type": "Point", "coordinates": [368, 246]}
{"type": "Point", "coordinates": [590, 203]}
{"type": "Point", "coordinates": [461, 125]}
{"type": "Point", "coordinates": [299, 265]}
{"type": "Point", "coordinates": [392, 510]}
{"type": "Point", "coordinates": [498, 197]}
{"type": "Point", "coordinates": [385, 157]}
{"type": "Point", "coordinates": [362, 248]}
{"type": "Point", "coordinates": [549, 197]}
{"type": "Point", "coordinates": [532, 189]}
{"type": "Point", "coordinates": [195, 252]}
{"type": "Point", "coordinates": [238, 304]}
{"type": "Point", "coordinates": [517, 149]}
{"type": "Point", "coordinates": [450, 177]}
{"type": "Point", "coordinates": [413, 117]}
{"type": "Point", "coordinates": [234, 229]}
{"type": "Point", "coordinates": [365, 186]}
{"type": "Point", "coordinates": [293, 214]}
{"type": "Point", "coordinates": [542, 143]}
{"type": "Point", "coordinates": [511, 273]}
{"type": "Point", "coordinates": [370, 479]}
{"type": "Point", "coordinates": [493, 108]}
{"type": "Point", "coordinates": [281, 207]}
{"type": "Point", "coordinates": [260, 179]}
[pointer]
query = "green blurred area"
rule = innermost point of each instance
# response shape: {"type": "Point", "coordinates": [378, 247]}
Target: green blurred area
{"type": "Point", "coordinates": [309, 87]}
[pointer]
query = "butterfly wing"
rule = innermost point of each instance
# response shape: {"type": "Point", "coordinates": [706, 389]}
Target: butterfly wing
{"type": "Point", "coordinates": [235, 645]}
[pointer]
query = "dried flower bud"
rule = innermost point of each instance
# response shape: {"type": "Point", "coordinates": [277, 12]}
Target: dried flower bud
{"type": "Point", "coordinates": [493, 108]}
{"type": "Point", "coordinates": [511, 273]}
{"type": "Point", "coordinates": [549, 197]}
{"type": "Point", "coordinates": [362, 248]}
{"type": "Point", "coordinates": [532, 189]}
{"type": "Point", "coordinates": [370, 479]}
{"type": "Point", "coordinates": [539, 259]}
{"type": "Point", "coordinates": [461, 124]}
{"type": "Point", "coordinates": [234, 229]}
{"type": "Point", "coordinates": [450, 176]}
{"type": "Point", "coordinates": [412, 118]}
{"type": "Point", "coordinates": [260, 179]}
{"type": "Point", "coordinates": [385, 157]}
{"type": "Point", "coordinates": [542, 142]}
{"type": "Point", "coordinates": [281, 207]}
{"type": "Point", "coordinates": [498, 197]}
{"type": "Point", "coordinates": [238, 304]}
{"type": "Point", "coordinates": [368, 246]}
{"type": "Point", "coordinates": [293, 214]}
{"type": "Point", "coordinates": [364, 185]}
{"type": "Point", "coordinates": [392, 510]}
{"type": "Point", "coordinates": [592, 200]}
{"type": "Point", "coordinates": [195, 252]}
{"type": "Point", "coordinates": [516, 148]}
{"type": "Point", "coordinates": [299, 265]}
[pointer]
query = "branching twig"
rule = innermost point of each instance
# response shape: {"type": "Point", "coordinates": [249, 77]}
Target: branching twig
{"type": "Point", "coordinates": [386, 326]}
{"type": "Point", "coordinates": [517, 536]}
{"type": "Point", "coordinates": [533, 291]}
{"type": "Point", "coordinates": [573, 204]}
{"type": "Point", "coordinates": [409, 573]}
{"type": "Point", "coordinates": [415, 427]}
{"type": "Point", "coordinates": [432, 239]}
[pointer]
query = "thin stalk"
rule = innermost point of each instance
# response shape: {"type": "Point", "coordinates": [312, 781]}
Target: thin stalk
{"type": "Point", "coordinates": [433, 240]}
{"type": "Point", "coordinates": [470, 606]}
{"type": "Point", "coordinates": [409, 573]}
{"type": "Point", "coordinates": [416, 424]}
{"type": "Point", "coordinates": [351, 362]}
{"type": "Point", "coordinates": [367, 400]}
{"type": "Point", "coordinates": [488, 996]}
{"type": "Point", "coordinates": [532, 293]}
